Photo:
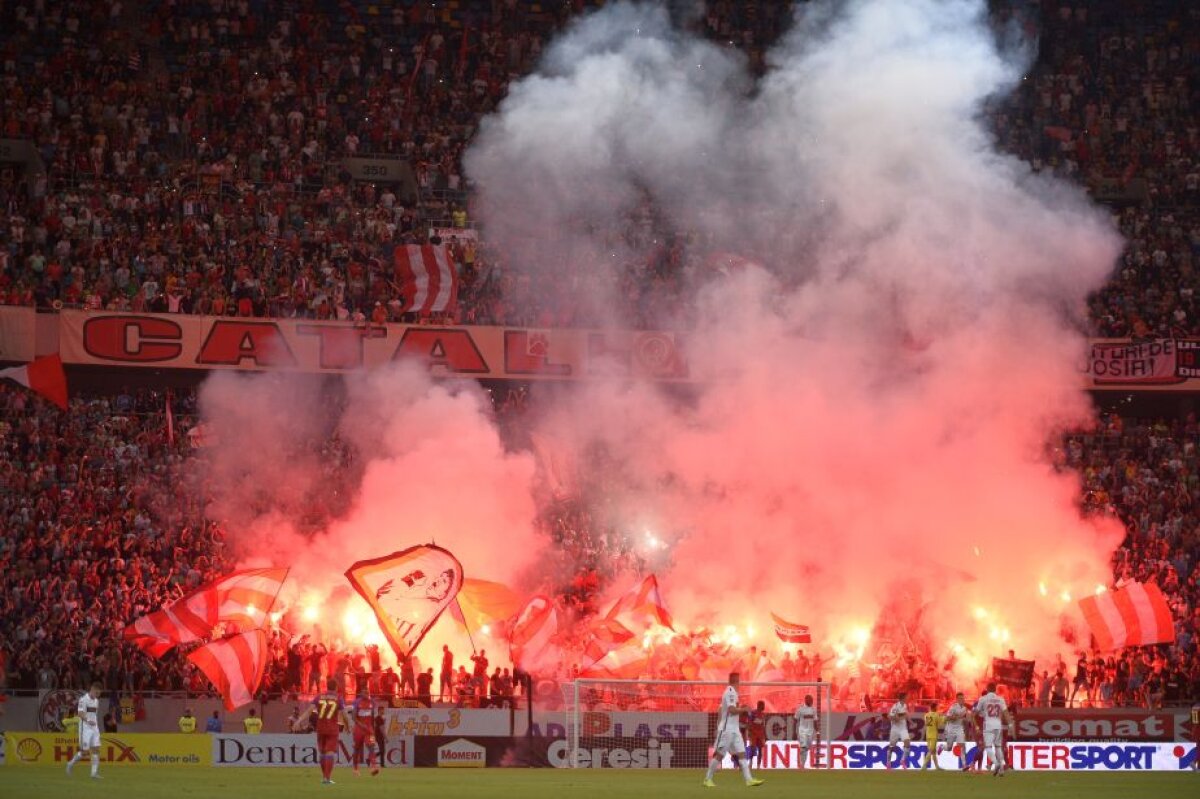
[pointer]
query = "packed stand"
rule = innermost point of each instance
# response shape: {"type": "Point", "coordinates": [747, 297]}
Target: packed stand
{"type": "Point", "coordinates": [95, 529]}
{"type": "Point", "coordinates": [1111, 104]}
{"type": "Point", "coordinates": [192, 152]}
{"type": "Point", "coordinates": [93, 535]}
{"type": "Point", "coordinates": [1146, 472]}
{"type": "Point", "coordinates": [192, 155]}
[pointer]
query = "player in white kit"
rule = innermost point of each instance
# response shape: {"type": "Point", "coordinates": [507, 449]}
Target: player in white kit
{"type": "Point", "coordinates": [806, 727]}
{"type": "Point", "coordinates": [956, 732]}
{"type": "Point", "coordinates": [729, 735]}
{"type": "Point", "coordinates": [993, 711]}
{"type": "Point", "coordinates": [89, 730]}
{"type": "Point", "coordinates": [898, 716]}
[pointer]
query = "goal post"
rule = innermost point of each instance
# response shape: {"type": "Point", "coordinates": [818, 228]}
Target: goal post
{"type": "Point", "coordinates": [672, 723]}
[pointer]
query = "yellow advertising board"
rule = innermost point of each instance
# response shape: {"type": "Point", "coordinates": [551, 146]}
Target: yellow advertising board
{"type": "Point", "coordinates": [117, 749]}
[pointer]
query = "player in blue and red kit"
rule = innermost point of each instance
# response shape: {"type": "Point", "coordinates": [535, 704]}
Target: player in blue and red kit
{"type": "Point", "coordinates": [362, 710]}
{"type": "Point", "coordinates": [756, 734]}
{"type": "Point", "coordinates": [328, 716]}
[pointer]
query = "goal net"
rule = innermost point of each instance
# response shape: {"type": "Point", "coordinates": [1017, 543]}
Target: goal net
{"type": "Point", "coordinates": [673, 723]}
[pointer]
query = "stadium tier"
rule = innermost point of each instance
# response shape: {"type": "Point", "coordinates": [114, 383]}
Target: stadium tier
{"type": "Point", "coordinates": [467, 372]}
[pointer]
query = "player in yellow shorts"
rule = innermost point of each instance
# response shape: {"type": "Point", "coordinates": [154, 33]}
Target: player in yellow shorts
{"type": "Point", "coordinates": [933, 723]}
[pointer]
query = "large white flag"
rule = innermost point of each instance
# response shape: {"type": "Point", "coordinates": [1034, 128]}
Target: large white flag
{"type": "Point", "coordinates": [408, 590]}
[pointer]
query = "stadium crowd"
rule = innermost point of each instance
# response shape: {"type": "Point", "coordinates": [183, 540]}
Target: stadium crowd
{"type": "Point", "coordinates": [93, 532]}
{"type": "Point", "coordinates": [192, 151]}
{"type": "Point", "coordinates": [192, 165]}
{"type": "Point", "coordinates": [90, 536]}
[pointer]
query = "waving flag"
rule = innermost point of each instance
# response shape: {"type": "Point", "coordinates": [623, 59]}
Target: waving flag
{"type": "Point", "coordinates": [531, 632]}
{"type": "Point", "coordinates": [44, 376]}
{"type": "Point", "coordinates": [1133, 615]}
{"type": "Point", "coordinates": [483, 602]}
{"type": "Point", "coordinates": [625, 662]}
{"type": "Point", "coordinates": [242, 599]}
{"type": "Point", "coordinates": [408, 590]}
{"type": "Point", "coordinates": [790, 632]}
{"type": "Point", "coordinates": [557, 464]}
{"type": "Point", "coordinates": [643, 603]}
{"type": "Point", "coordinates": [234, 665]}
{"type": "Point", "coordinates": [426, 277]}
{"type": "Point", "coordinates": [605, 636]}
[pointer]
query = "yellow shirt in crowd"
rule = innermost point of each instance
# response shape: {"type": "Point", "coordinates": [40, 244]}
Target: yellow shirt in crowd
{"type": "Point", "coordinates": [187, 723]}
{"type": "Point", "coordinates": [253, 725]}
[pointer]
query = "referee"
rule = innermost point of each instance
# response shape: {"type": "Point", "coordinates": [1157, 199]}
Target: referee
{"type": "Point", "coordinates": [381, 735]}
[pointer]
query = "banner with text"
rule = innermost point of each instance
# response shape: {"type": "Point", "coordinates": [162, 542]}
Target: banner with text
{"type": "Point", "coordinates": [175, 341]}
{"type": "Point", "coordinates": [1159, 362]}
{"type": "Point", "coordinates": [286, 751]}
{"type": "Point", "coordinates": [179, 341]}
{"type": "Point", "coordinates": [425, 721]}
{"type": "Point", "coordinates": [1034, 756]}
{"type": "Point", "coordinates": [446, 234]}
{"type": "Point", "coordinates": [541, 752]}
{"type": "Point", "coordinates": [1033, 724]}
{"type": "Point", "coordinates": [632, 723]}
{"type": "Point", "coordinates": [116, 749]}
{"type": "Point", "coordinates": [1098, 724]}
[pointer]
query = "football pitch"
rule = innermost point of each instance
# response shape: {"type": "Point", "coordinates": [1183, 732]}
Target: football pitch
{"type": "Point", "coordinates": [292, 783]}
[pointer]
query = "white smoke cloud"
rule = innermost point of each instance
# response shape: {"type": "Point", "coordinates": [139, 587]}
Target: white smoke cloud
{"type": "Point", "coordinates": [876, 398]}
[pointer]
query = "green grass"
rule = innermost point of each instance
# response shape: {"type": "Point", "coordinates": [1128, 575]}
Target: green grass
{"type": "Point", "coordinates": [295, 783]}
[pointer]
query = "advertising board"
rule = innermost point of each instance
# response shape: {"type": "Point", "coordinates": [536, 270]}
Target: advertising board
{"type": "Point", "coordinates": [116, 749]}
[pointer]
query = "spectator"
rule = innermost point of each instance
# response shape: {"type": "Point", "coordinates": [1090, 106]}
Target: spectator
{"type": "Point", "coordinates": [425, 688]}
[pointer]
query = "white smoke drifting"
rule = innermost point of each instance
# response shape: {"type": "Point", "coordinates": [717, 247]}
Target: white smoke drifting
{"type": "Point", "coordinates": [875, 401]}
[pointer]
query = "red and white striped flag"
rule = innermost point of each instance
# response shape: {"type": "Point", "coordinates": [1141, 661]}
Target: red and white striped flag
{"type": "Point", "coordinates": [234, 665]}
{"type": "Point", "coordinates": [44, 376]}
{"type": "Point", "coordinates": [643, 602]}
{"type": "Point", "coordinates": [427, 278]}
{"type": "Point", "coordinates": [625, 662]}
{"type": "Point", "coordinates": [530, 636]}
{"type": "Point", "coordinates": [1133, 615]}
{"type": "Point", "coordinates": [605, 636]}
{"type": "Point", "coordinates": [243, 599]}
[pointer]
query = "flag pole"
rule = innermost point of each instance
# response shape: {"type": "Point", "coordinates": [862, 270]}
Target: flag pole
{"type": "Point", "coordinates": [466, 626]}
{"type": "Point", "coordinates": [274, 599]}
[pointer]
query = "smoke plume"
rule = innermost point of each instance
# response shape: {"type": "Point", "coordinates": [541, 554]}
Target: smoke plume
{"type": "Point", "coordinates": [318, 476]}
{"type": "Point", "coordinates": [880, 370]}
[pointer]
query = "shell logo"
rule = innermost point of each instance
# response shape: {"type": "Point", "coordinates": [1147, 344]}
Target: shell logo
{"type": "Point", "coordinates": [29, 750]}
